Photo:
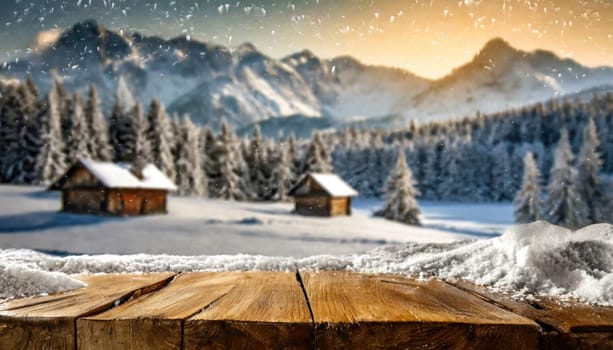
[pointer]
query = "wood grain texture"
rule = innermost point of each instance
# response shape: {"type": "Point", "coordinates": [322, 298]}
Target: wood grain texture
{"type": "Point", "coordinates": [565, 324]}
{"type": "Point", "coordinates": [155, 320]}
{"type": "Point", "coordinates": [380, 312]}
{"type": "Point", "coordinates": [265, 310]}
{"type": "Point", "coordinates": [273, 310]}
{"type": "Point", "coordinates": [49, 322]}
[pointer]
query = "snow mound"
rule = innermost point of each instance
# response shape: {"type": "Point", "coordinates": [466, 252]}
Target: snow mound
{"type": "Point", "coordinates": [531, 259]}
{"type": "Point", "coordinates": [18, 280]}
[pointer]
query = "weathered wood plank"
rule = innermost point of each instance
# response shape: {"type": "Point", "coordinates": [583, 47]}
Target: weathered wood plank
{"type": "Point", "coordinates": [351, 310]}
{"type": "Point", "coordinates": [565, 324]}
{"type": "Point", "coordinates": [155, 320]}
{"type": "Point", "coordinates": [265, 310]}
{"type": "Point", "coordinates": [49, 322]}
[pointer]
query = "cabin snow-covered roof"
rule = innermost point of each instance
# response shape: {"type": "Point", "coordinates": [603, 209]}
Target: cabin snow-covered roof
{"type": "Point", "coordinates": [332, 184]}
{"type": "Point", "coordinates": [113, 175]}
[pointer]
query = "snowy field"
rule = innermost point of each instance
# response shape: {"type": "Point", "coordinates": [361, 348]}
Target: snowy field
{"type": "Point", "coordinates": [29, 218]}
{"type": "Point", "coordinates": [207, 235]}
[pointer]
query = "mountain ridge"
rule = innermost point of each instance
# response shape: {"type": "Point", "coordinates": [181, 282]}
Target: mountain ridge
{"type": "Point", "coordinates": [244, 86]}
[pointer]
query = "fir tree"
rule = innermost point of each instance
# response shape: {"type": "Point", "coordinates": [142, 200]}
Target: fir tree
{"type": "Point", "coordinates": [159, 135]}
{"type": "Point", "coordinates": [120, 133]}
{"type": "Point", "coordinates": [432, 170]}
{"type": "Point", "coordinates": [564, 205]}
{"type": "Point", "coordinates": [589, 165]}
{"type": "Point", "coordinates": [32, 89]}
{"type": "Point", "coordinates": [316, 158]}
{"type": "Point", "coordinates": [281, 178]}
{"type": "Point", "coordinates": [228, 180]}
{"type": "Point", "coordinates": [66, 114]}
{"type": "Point", "coordinates": [502, 184]}
{"type": "Point", "coordinates": [98, 141]}
{"type": "Point", "coordinates": [51, 162]}
{"type": "Point", "coordinates": [124, 96]}
{"type": "Point", "coordinates": [400, 204]}
{"type": "Point", "coordinates": [528, 199]}
{"type": "Point", "coordinates": [294, 158]}
{"type": "Point", "coordinates": [78, 138]}
{"type": "Point", "coordinates": [372, 180]}
{"type": "Point", "coordinates": [258, 167]}
{"type": "Point", "coordinates": [21, 135]}
{"type": "Point", "coordinates": [141, 153]}
{"type": "Point", "coordinates": [211, 166]}
{"type": "Point", "coordinates": [202, 139]}
{"type": "Point", "coordinates": [189, 167]}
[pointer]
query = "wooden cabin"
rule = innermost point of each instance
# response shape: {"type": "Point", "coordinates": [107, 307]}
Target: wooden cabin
{"type": "Point", "coordinates": [322, 195]}
{"type": "Point", "coordinates": [113, 189]}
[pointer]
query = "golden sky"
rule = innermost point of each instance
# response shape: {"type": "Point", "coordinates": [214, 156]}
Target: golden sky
{"type": "Point", "coordinates": [427, 37]}
{"type": "Point", "coordinates": [430, 38]}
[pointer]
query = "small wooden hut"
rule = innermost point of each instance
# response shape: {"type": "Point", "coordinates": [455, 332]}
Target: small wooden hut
{"type": "Point", "coordinates": [113, 189]}
{"type": "Point", "coordinates": [322, 195]}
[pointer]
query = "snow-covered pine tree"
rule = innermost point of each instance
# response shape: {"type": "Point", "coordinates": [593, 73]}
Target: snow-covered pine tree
{"type": "Point", "coordinates": [98, 142]}
{"type": "Point", "coordinates": [258, 166]}
{"type": "Point", "coordinates": [189, 168]}
{"type": "Point", "coordinates": [66, 113]}
{"type": "Point", "coordinates": [564, 205]}
{"type": "Point", "coordinates": [121, 128]}
{"type": "Point", "coordinates": [76, 144]}
{"type": "Point", "coordinates": [372, 180]}
{"type": "Point", "coordinates": [341, 154]}
{"type": "Point", "coordinates": [282, 175]}
{"type": "Point", "coordinates": [51, 162]}
{"type": "Point", "coordinates": [432, 180]}
{"type": "Point", "coordinates": [400, 204]}
{"type": "Point", "coordinates": [211, 164]}
{"type": "Point", "coordinates": [502, 183]}
{"type": "Point", "coordinates": [120, 133]}
{"type": "Point", "coordinates": [141, 154]}
{"type": "Point", "coordinates": [21, 127]}
{"type": "Point", "coordinates": [450, 163]}
{"type": "Point", "coordinates": [294, 157]}
{"type": "Point", "coordinates": [159, 134]}
{"type": "Point", "coordinates": [203, 159]}
{"type": "Point", "coordinates": [589, 166]}
{"type": "Point", "coordinates": [32, 89]}
{"type": "Point", "coordinates": [175, 126]}
{"type": "Point", "coordinates": [7, 127]}
{"type": "Point", "coordinates": [528, 199]}
{"type": "Point", "coordinates": [316, 159]}
{"type": "Point", "coordinates": [124, 96]}
{"type": "Point", "coordinates": [228, 181]}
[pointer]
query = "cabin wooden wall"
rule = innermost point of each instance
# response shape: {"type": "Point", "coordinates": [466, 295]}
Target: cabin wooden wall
{"type": "Point", "coordinates": [315, 205]}
{"type": "Point", "coordinates": [136, 201]}
{"type": "Point", "coordinates": [84, 200]}
{"type": "Point", "coordinates": [114, 201]}
{"type": "Point", "coordinates": [323, 205]}
{"type": "Point", "coordinates": [340, 206]}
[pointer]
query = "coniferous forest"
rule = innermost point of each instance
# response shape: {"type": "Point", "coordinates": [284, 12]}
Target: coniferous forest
{"type": "Point", "coordinates": [565, 147]}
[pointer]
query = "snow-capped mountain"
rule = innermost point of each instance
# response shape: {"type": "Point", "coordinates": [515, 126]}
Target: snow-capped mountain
{"type": "Point", "coordinates": [244, 86]}
{"type": "Point", "coordinates": [502, 77]}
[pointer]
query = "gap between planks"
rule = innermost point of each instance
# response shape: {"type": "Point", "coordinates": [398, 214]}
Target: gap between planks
{"type": "Point", "coordinates": [50, 321]}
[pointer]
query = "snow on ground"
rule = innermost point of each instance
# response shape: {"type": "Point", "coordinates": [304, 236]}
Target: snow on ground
{"type": "Point", "coordinates": [29, 218]}
{"type": "Point", "coordinates": [527, 260]}
{"type": "Point", "coordinates": [534, 259]}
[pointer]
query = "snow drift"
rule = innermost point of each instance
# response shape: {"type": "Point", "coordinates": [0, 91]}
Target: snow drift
{"type": "Point", "coordinates": [532, 259]}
